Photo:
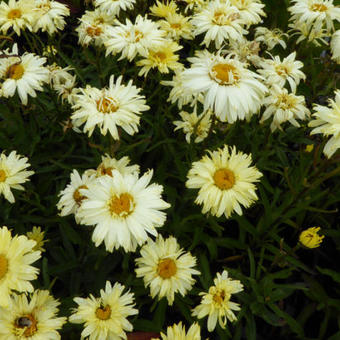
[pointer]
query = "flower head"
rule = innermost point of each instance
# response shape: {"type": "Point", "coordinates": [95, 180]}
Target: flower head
{"type": "Point", "coordinates": [216, 303]}
{"type": "Point", "coordinates": [166, 268]}
{"type": "Point", "coordinates": [38, 236]}
{"type": "Point", "coordinates": [105, 317]}
{"type": "Point", "coordinates": [310, 237]}
{"type": "Point", "coordinates": [113, 7]}
{"type": "Point", "coordinates": [177, 332]}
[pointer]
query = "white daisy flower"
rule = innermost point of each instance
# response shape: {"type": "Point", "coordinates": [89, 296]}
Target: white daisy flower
{"type": "Point", "coordinates": [177, 27]}
{"type": "Point", "coordinates": [230, 90]}
{"type": "Point", "coordinates": [284, 106]}
{"type": "Point", "coordinates": [225, 179]}
{"type": "Point", "coordinates": [50, 16]}
{"type": "Point", "coordinates": [270, 37]}
{"type": "Point", "coordinates": [105, 317]}
{"type": "Point", "coordinates": [162, 10]}
{"type": "Point", "coordinates": [251, 11]}
{"type": "Point", "coordinates": [314, 34]}
{"type": "Point", "coordinates": [327, 121]}
{"type": "Point", "coordinates": [13, 174]}
{"type": "Point", "coordinates": [25, 73]}
{"type": "Point", "coordinates": [124, 209]}
{"type": "Point", "coordinates": [335, 46]}
{"type": "Point", "coordinates": [177, 332]}
{"type": "Point", "coordinates": [113, 7]}
{"type": "Point", "coordinates": [17, 15]}
{"type": "Point", "coordinates": [109, 108]}
{"type": "Point", "coordinates": [220, 21]}
{"type": "Point", "coordinates": [131, 39]}
{"type": "Point", "coordinates": [278, 72]}
{"type": "Point", "coordinates": [166, 268]}
{"type": "Point", "coordinates": [216, 302]}
{"type": "Point", "coordinates": [34, 318]}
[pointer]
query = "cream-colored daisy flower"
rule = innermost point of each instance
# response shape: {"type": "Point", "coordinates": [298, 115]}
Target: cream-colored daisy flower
{"type": "Point", "coordinates": [131, 39]}
{"type": "Point", "coordinates": [193, 124]}
{"type": "Point", "coordinates": [123, 209]}
{"type": "Point", "coordinates": [108, 164]}
{"type": "Point", "coordinates": [105, 317]}
{"type": "Point", "coordinates": [38, 236]}
{"type": "Point", "coordinates": [177, 332]}
{"type": "Point", "coordinates": [93, 26]}
{"type": "Point", "coordinates": [315, 12]}
{"type": "Point", "coordinates": [335, 46]}
{"type": "Point", "coordinates": [166, 268]}
{"type": "Point", "coordinates": [284, 106]}
{"type": "Point", "coordinates": [177, 26]}
{"type": "Point", "coordinates": [194, 5]}
{"type": "Point", "coordinates": [278, 72]}
{"type": "Point", "coordinates": [72, 197]}
{"type": "Point", "coordinates": [24, 74]}
{"type": "Point", "coordinates": [118, 105]}
{"type": "Point", "coordinates": [230, 90]}
{"type": "Point", "coordinates": [225, 179]}
{"type": "Point", "coordinates": [13, 174]}
{"type": "Point", "coordinates": [16, 257]}
{"type": "Point", "coordinates": [316, 34]}
{"type": "Point", "coordinates": [113, 7]}
{"type": "Point", "coordinates": [220, 21]}
{"type": "Point", "coordinates": [17, 15]}
{"type": "Point", "coordinates": [327, 121]}
{"type": "Point", "coordinates": [270, 37]}
{"type": "Point", "coordinates": [162, 10]}
{"type": "Point", "coordinates": [162, 57]}
{"type": "Point", "coordinates": [216, 303]}
{"type": "Point", "coordinates": [33, 319]}
{"type": "Point", "coordinates": [50, 16]}
{"type": "Point", "coordinates": [251, 11]}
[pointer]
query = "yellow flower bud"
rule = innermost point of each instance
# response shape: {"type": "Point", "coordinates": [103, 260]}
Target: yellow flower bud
{"type": "Point", "coordinates": [310, 238]}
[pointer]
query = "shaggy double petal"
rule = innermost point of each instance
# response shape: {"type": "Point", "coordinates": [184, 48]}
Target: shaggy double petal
{"type": "Point", "coordinates": [177, 332]}
{"type": "Point", "coordinates": [124, 210]}
{"type": "Point", "coordinates": [166, 268]}
{"type": "Point", "coordinates": [225, 181]}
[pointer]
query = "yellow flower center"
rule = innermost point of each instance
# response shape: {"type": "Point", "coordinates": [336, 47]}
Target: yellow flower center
{"type": "Point", "coordinates": [220, 296]}
{"type": "Point", "coordinates": [106, 171]}
{"type": "Point", "coordinates": [77, 196]}
{"type": "Point", "coordinates": [94, 31]}
{"type": "Point", "coordinates": [318, 8]}
{"type": "Point", "coordinates": [225, 74]}
{"type": "Point", "coordinates": [160, 56]}
{"type": "Point", "coordinates": [15, 71]}
{"type": "Point", "coordinates": [107, 105]}
{"type": "Point", "coordinates": [2, 176]}
{"type": "Point", "coordinates": [29, 323]}
{"type": "Point", "coordinates": [121, 205]}
{"type": "Point", "coordinates": [224, 179]}
{"type": "Point", "coordinates": [103, 313]}
{"type": "Point", "coordinates": [3, 266]}
{"type": "Point", "coordinates": [176, 26]}
{"type": "Point", "coordinates": [14, 14]}
{"type": "Point", "coordinates": [138, 35]}
{"type": "Point", "coordinates": [166, 268]}
{"type": "Point", "coordinates": [286, 101]}
{"type": "Point", "coordinates": [281, 70]}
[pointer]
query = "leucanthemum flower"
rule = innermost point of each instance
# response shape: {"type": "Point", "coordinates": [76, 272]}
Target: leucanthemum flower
{"type": "Point", "coordinates": [246, 51]}
{"type": "Point", "coordinates": [225, 179]}
{"type": "Point", "coordinates": [194, 5]}
{"type": "Point", "coordinates": [13, 174]}
{"type": "Point", "coordinates": [327, 121]}
{"type": "Point", "coordinates": [105, 317]}
{"type": "Point", "coordinates": [316, 34]}
{"type": "Point", "coordinates": [16, 256]}
{"type": "Point", "coordinates": [216, 303]}
{"type": "Point", "coordinates": [25, 74]}
{"type": "Point", "coordinates": [177, 26]}
{"type": "Point", "coordinates": [38, 236]}
{"type": "Point", "coordinates": [193, 124]}
{"type": "Point", "coordinates": [162, 57]}
{"type": "Point", "coordinates": [50, 16]}
{"type": "Point", "coordinates": [166, 268]}
{"type": "Point", "coordinates": [230, 90]}
{"type": "Point", "coordinates": [314, 12]}
{"type": "Point", "coordinates": [251, 11]}
{"type": "Point", "coordinates": [220, 21]}
{"type": "Point", "coordinates": [93, 26]}
{"type": "Point", "coordinates": [278, 72]}
{"type": "Point", "coordinates": [177, 332]}
{"type": "Point", "coordinates": [71, 197]}
{"type": "Point", "coordinates": [17, 15]}
{"type": "Point", "coordinates": [270, 37]}
{"type": "Point", "coordinates": [123, 209]}
{"type": "Point", "coordinates": [33, 319]}
{"type": "Point", "coordinates": [284, 106]}
{"type": "Point", "coordinates": [131, 39]}
{"type": "Point", "coordinates": [118, 105]}
{"type": "Point", "coordinates": [113, 7]}
{"type": "Point", "coordinates": [335, 46]}
{"type": "Point", "coordinates": [162, 10]}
